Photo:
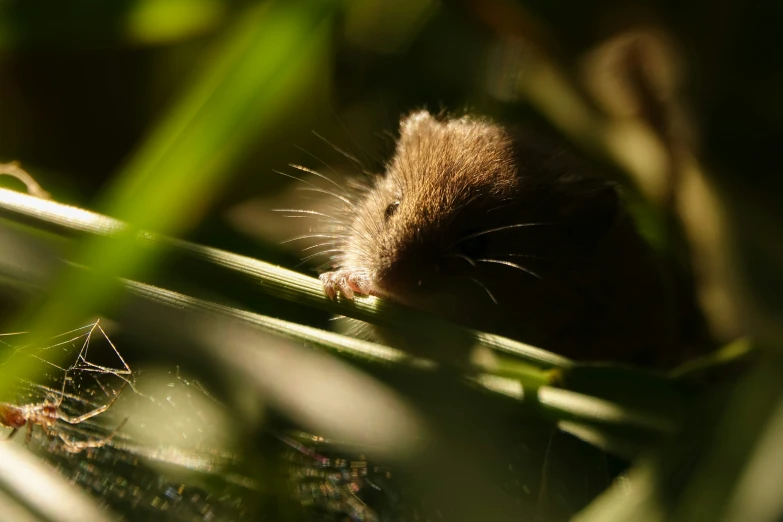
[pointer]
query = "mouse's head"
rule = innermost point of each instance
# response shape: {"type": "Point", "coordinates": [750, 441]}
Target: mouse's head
{"type": "Point", "coordinates": [465, 203]}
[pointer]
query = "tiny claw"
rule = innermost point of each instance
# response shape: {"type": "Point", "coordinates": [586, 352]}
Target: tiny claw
{"type": "Point", "coordinates": [328, 285]}
{"type": "Point", "coordinates": [345, 288]}
{"type": "Point", "coordinates": [346, 282]}
{"type": "Point", "coordinates": [359, 283]}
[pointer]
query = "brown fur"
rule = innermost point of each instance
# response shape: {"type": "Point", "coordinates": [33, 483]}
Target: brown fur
{"type": "Point", "coordinates": [569, 274]}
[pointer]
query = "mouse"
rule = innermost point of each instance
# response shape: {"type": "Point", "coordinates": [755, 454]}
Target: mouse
{"type": "Point", "coordinates": [491, 228]}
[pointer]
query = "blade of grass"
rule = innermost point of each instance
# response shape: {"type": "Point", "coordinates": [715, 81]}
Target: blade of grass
{"type": "Point", "coordinates": [624, 429]}
{"type": "Point", "coordinates": [268, 279]}
{"type": "Point", "coordinates": [339, 344]}
{"type": "Point", "coordinates": [40, 492]}
{"type": "Point", "coordinates": [558, 404]}
{"type": "Point", "coordinates": [619, 425]}
{"type": "Point", "coordinates": [572, 406]}
{"type": "Point", "coordinates": [722, 467]}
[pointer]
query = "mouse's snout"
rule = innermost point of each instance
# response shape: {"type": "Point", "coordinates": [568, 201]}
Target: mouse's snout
{"type": "Point", "coordinates": [407, 267]}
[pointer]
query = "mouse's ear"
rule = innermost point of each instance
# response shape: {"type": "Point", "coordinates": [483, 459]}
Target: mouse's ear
{"type": "Point", "coordinates": [590, 216]}
{"type": "Point", "coordinates": [414, 122]}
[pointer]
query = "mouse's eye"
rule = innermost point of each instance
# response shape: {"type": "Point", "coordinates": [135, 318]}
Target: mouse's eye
{"type": "Point", "coordinates": [391, 210]}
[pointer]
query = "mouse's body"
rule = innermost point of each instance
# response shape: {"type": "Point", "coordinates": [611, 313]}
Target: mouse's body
{"type": "Point", "coordinates": [473, 223]}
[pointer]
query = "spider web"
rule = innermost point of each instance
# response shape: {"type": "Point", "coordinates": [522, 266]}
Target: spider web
{"type": "Point", "coordinates": [88, 380]}
{"type": "Point", "coordinates": [156, 466]}
{"type": "Point", "coordinates": [169, 461]}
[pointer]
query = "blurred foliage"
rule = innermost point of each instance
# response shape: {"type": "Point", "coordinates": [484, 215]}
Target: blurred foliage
{"type": "Point", "coordinates": [85, 25]}
{"type": "Point", "coordinates": [173, 116]}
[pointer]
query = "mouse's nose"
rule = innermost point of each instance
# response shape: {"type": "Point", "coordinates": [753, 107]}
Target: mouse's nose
{"type": "Point", "coordinates": [406, 267]}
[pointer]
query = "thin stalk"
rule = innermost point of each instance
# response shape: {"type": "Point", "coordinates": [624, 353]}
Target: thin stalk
{"type": "Point", "coordinates": [269, 279]}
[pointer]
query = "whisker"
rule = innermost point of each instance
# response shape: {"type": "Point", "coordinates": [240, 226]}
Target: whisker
{"type": "Point", "coordinates": [531, 256]}
{"type": "Point", "coordinates": [383, 136]}
{"type": "Point", "coordinates": [341, 151]}
{"type": "Point", "coordinates": [292, 177]}
{"type": "Point", "coordinates": [364, 152]}
{"type": "Point", "coordinates": [315, 173]}
{"type": "Point", "coordinates": [462, 256]}
{"type": "Point", "coordinates": [333, 223]}
{"type": "Point", "coordinates": [330, 243]}
{"type": "Point", "coordinates": [322, 162]}
{"type": "Point", "coordinates": [358, 185]}
{"type": "Point", "coordinates": [321, 267]}
{"type": "Point", "coordinates": [498, 229]}
{"type": "Point", "coordinates": [310, 236]}
{"type": "Point", "coordinates": [314, 187]}
{"type": "Point", "coordinates": [320, 220]}
{"type": "Point", "coordinates": [512, 265]}
{"type": "Point", "coordinates": [502, 206]}
{"type": "Point", "coordinates": [322, 252]}
{"type": "Point", "coordinates": [485, 289]}
{"type": "Point", "coordinates": [301, 211]}
{"type": "Point", "coordinates": [307, 213]}
{"type": "Point", "coordinates": [328, 193]}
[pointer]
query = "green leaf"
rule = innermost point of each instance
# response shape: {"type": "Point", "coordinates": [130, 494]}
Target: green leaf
{"type": "Point", "coordinates": [724, 466]}
{"type": "Point", "coordinates": [95, 24]}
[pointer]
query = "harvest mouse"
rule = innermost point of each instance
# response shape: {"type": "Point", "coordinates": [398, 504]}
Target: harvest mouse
{"type": "Point", "coordinates": [477, 223]}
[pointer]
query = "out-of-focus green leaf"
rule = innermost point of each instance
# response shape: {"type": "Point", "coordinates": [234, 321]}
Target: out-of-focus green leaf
{"type": "Point", "coordinates": [347, 346]}
{"type": "Point", "coordinates": [160, 21]}
{"type": "Point", "coordinates": [250, 81]}
{"type": "Point", "coordinates": [94, 24]}
{"type": "Point", "coordinates": [733, 354]}
{"type": "Point", "coordinates": [621, 441]}
{"type": "Point", "coordinates": [576, 407]}
{"type": "Point", "coordinates": [720, 468]}
{"type": "Point", "coordinates": [611, 426]}
{"type": "Point", "coordinates": [630, 387]}
{"type": "Point", "coordinates": [32, 491]}
{"type": "Point", "coordinates": [731, 442]}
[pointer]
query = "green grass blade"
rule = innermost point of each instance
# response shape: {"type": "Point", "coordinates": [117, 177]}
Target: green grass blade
{"type": "Point", "coordinates": [269, 279]}
{"type": "Point", "coordinates": [725, 465]}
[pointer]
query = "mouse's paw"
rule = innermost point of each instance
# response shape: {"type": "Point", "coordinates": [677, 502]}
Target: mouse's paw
{"type": "Point", "coordinates": [347, 282]}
